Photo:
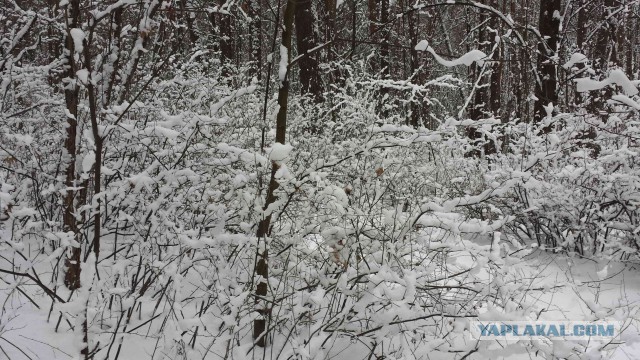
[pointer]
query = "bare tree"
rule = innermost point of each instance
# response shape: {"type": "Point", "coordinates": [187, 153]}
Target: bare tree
{"type": "Point", "coordinates": [71, 92]}
{"type": "Point", "coordinates": [260, 331]}
{"type": "Point", "coordinates": [546, 89]}
{"type": "Point", "coordinates": [306, 40]}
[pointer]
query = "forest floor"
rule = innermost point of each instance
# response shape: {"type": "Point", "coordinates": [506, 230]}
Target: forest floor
{"type": "Point", "coordinates": [588, 287]}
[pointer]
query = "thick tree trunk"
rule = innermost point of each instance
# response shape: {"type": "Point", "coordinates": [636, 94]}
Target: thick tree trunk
{"type": "Point", "coordinates": [549, 25]}
{"type": "Point", "coordinates": [305, 40]}
{"type": "Point", "coordinates": [581, 37]}
{"type": "Point", "coordinates": [581, 26]}
{"type": "Point", "coordinates": [260, 332]}
{"type": "Point", "coordinates": [221, 23]}
{"type": "Point", "coordinates": [604, 51]}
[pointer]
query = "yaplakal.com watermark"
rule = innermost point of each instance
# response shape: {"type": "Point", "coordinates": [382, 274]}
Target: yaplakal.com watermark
{"type": "Point", "coordinates": [536, 330]}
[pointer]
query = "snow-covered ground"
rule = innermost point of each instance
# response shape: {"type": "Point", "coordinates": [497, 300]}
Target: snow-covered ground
{"type": "Point", "coordinates": [578, 289]}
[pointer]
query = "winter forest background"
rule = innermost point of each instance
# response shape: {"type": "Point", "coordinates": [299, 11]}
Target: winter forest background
{"type": "Point", "coordinates": [316, 179]}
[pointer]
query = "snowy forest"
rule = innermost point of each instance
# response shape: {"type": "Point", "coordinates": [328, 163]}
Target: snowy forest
{"type": "Point", "coordinates": [317, 179]}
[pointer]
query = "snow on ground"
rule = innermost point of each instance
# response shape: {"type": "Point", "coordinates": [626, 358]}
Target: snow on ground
{"type": "Point", "coordinates": [596, 288]}
{"type": "Point", "coordinates": [599, 289]}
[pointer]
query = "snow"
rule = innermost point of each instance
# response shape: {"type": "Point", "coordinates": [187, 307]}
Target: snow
{"type": "Point", "coordinates": [626, 100]}
{"type": "Point", "coordinates": [109, 9]}
{"type": "Point", "coordinates": [467, 59]}
{"type": "Point", "coordinates": [88, 161]}
{"type": "Point", "coordinates": [603, 273]}
{"type": "Point", "coordinates": [576, 58]}
{"type": "Point", "coordinates": [616, 77]}
{"type": "Point", "coordinates": [83, 75]}
{"type": "Point", "coordinates": [385, 238]}
{"type": "Point", "coordinates": [279, 152]}
{"type": "Point", "coordinates": [549, 110]}
{"type": "Point", "coordinates": [422, 45]}
{"type": "Point", "coordinates": [78, 37]}
{"type": "Point", "coordinates": [284, 63]}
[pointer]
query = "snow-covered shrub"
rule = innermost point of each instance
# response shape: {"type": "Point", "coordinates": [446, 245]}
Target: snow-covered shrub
{"type": "Point", "coordinates": [580, 178]}
{"type": "Point", "coordinates": [369, 249]}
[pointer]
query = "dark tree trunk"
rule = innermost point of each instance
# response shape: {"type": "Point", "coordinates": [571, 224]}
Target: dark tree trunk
{"type": "Point", "coordinates": [373, 26]}
{"type": "Point", "coordinates": [262, 266]}
{"type": "Point", "coordinates": [581, 26]}
{"type": "Point", "coordinates": [581, 37]}
{"type": "Point", "coordinates": [481, 94]}
{"type": "Point", "coordinates": [354, 28]}
{"type": "Point", "coordinates": [495, 104]}
{"type": "Point", "coordinates": [612, 31]}
{"type": "Point", "coordinates": [630, 44]}
{"type": "Point", "coordinates": [413, 64]}
{"type": "Point", "coordinates": [545, 90]}
{"type": "Point", "coordinates": [97, 138]}
{"type": "Point", "coordinates": [386, 34]}
{"type": "Point", "coordinates": [496, 69]}
{"type": "Point", "coordinates": [72, 276]}
{"type": "Point", "coordinates": [186, 15]}
{"type": "Point", "coordinates": [605, 51]}
{"type": "Point", "coordinates": [306, 40]}
{"type": "Point", "coordinates": [222, 27]}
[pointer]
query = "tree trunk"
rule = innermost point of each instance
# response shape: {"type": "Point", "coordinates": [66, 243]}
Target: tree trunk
{"type": "Point", "coordinates": [549, 25]}
{"type": "Point", "coordinates": [98, 141]}
{"type": "Point", "coordinates": [384, 44]}
{"type": "Point", "coordinates": [222, 25]}
{"type": "Point", "coordinates": [305, 40]}
{"type": "Point", "coordinates": [612, 31]}
{"type": "Point", "coordinates": [480, 96]}
{"type": "Point", "coordinates": [495, 104]}
{"type": "Point", "coordinates": [496, 69]}
{"type": "Point", "coordinates": [354, 28]}
{"type": "Point", "coordinates": [373, 27]}
{"type": "Point", "coordinates": [255, 30]}
{"type": "Point", "coordinates": [188, 21]}
{"type": "Point", "coordinates": [413, 64]}
{"type": "Point", "coordinates": [631, 27]}
{"type": "Point", "coordinates": [72, 276]}
{"type": "Point", "coordinates": [260, 331]}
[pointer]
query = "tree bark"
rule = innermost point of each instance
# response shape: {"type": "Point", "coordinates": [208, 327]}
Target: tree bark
{"type": "Point", "coordinates": [306, 40]}
{"type": "Point", "coordinates": [413, 64]}
{"type": "Point", "coordinates": [545, 91]}
{"type": "Point", "coordinates": [222, 27]}
{"type": "Point", "coordinates": [260, 331]}
{"type": "Point", "coordinates": [496, 68]}
{"type": "Point", "coordinates": [373, 27]}
{"type": "Point", "coordinates": [481, 94]}
{"type": "Point", "coordinates": [495, 89]}
{"type": "Point", "coordinates": [255, 30]}
{"type": "Point", "coordinates": [72, 276]}
{"type": "Point", "coordinates": [384, 44]}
